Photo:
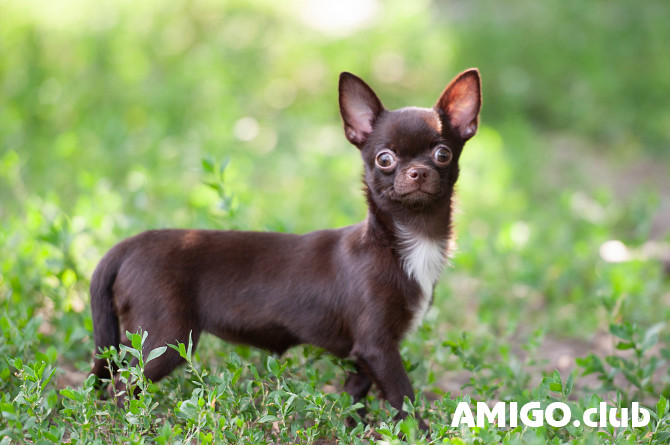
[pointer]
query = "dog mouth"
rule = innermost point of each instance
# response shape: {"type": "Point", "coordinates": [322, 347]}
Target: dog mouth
{"type": "Point", "coordinates": [418, 193]}
{"type": "Point", "coordinates": [416, 197]}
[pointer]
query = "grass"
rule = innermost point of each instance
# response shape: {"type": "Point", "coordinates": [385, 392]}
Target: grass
{"type": "Point", "coordinates": [124, 117]}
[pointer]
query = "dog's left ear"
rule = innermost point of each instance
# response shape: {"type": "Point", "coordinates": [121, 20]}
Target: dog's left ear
{"type": "Point", "coordinates": [461, 102]}
{"type": "Point", "coordinates": [359, 106]}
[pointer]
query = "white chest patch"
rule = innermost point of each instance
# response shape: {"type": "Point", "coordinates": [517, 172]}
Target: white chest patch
{"type": "Point", "coordinates": [423, 260]}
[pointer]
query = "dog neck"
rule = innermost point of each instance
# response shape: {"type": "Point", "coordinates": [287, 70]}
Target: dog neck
{"type": "Point", "coordinates": [421, 246]}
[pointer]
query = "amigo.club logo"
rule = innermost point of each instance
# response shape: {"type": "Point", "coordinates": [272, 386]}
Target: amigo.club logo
{"type": "Point", "coordinates": [556, 414]}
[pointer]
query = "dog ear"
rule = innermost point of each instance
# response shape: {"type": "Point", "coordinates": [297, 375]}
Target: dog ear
{"type": "Point", "coordinates": [461, 102]}
{"type": "Point", "coordinates": [359, 106]}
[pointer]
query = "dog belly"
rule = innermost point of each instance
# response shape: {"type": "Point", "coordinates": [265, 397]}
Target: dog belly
{"type": "Point", "coordinates": [262, 323]}
{"type": "Point", "coordinates": [272, 338]}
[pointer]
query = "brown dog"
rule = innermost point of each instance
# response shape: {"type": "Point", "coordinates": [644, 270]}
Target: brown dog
{"type": "Point", "coordinates": [354, 291]}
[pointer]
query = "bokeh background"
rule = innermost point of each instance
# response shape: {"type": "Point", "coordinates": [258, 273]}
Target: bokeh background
{"type": "Point", "coordinates": [121, 116]}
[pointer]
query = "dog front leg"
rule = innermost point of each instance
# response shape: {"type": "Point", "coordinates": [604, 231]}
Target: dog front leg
{"type": "Point", "coordinates": [382, 362]}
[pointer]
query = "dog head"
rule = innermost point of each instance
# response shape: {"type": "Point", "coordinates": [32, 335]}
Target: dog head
{"type": "Point", "coordinates": [410, 154]}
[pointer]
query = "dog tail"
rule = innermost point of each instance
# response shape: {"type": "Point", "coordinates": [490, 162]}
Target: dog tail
{"type": "Point", "coordinates": [105, 318]}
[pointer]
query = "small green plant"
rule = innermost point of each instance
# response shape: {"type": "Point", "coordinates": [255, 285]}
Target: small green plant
{"type": "Point", "coordinates": [639, 368]}
{"type": "Point", "coordinates": [130, 384]}
{"type": "Point", "coordinates": [85, 421]}
{"type": "Point", "coordinates": [215, 179]}
{"type": "Point", "coordinates": [27, 413]}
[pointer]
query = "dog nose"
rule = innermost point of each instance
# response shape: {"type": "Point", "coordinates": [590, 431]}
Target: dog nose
{"type": "Point", "coordinates": [418, 174]}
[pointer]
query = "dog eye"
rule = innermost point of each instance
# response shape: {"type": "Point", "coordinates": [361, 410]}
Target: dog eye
{"type": "Point", "coordinates": [385, 160]}
{"type": "Point", "coordinates": [442, 155]}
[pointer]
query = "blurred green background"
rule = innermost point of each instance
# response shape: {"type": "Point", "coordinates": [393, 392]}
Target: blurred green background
{"type": "Point", "coordinates": [108, 108]}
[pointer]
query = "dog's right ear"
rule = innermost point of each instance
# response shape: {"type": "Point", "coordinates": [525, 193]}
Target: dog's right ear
{"type": "Point", "coordinates": [359, 106]}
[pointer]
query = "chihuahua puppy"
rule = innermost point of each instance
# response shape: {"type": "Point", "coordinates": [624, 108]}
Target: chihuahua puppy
{"type": "Point", "coordinates": [354, 291]}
